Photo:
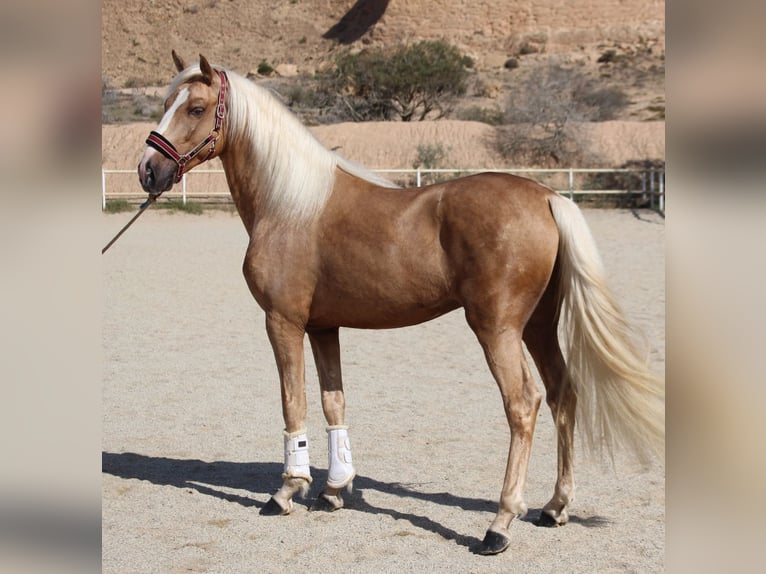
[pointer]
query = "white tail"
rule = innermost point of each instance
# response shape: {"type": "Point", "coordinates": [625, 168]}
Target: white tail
{"type": "Point", "coordinates": [620, 402]}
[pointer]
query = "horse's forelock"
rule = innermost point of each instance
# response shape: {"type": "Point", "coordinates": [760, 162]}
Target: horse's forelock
{"type": "Point", "coordinates": [180, 79]}
{"type": "Point", "coordinates": [191, 74]}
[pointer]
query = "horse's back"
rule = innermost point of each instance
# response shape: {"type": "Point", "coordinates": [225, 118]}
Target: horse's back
{"type": "Point", "coordinates": [395, 257]}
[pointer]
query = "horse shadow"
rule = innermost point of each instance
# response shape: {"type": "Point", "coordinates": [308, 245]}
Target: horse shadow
{"type": "Point", "coordinates": [214, 478]}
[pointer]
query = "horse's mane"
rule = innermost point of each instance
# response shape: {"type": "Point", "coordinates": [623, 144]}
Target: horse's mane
{"type": "Point", "coordinates": [294, 171]}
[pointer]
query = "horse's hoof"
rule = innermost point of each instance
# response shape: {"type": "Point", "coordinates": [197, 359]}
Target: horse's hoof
{"type": "Point", "coordinates": [494, 543]}
{"type": "Point", "coordinates": [273, 508]}
{"type": "Point", "coordinates": [547, 521]}
{"type": "Point", "coordinates": [325, 503]}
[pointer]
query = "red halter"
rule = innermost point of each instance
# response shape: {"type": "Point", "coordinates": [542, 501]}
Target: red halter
{"type": "Point", "coordinates": [162, 145]}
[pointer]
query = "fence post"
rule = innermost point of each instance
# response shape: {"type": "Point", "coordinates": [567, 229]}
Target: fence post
{"type": "Point", "coordinates": [103, 190]}
{"type": "Point", "coordinates": [644, 190]}
{"type": "Point", "coordinates": [661, 179]}
{"type": "Point", "coordinates": [418, 177]}
{"type": "Point", "coordinates": [183, 189]}
{"type": "Point", "coordinates": [571, 184]}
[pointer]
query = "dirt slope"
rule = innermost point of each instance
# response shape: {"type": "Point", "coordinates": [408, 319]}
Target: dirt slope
{"type": "Point", "coordinates": [394, 145]}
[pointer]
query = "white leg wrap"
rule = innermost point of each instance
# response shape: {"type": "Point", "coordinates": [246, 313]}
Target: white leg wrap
{"type": "Point", "coordinates": [297, 456]}
{"type": "Point", "coordinates": [341, 471]}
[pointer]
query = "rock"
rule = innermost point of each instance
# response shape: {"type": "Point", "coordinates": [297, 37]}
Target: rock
{"type": "Point", "coordinates": [287, 70]}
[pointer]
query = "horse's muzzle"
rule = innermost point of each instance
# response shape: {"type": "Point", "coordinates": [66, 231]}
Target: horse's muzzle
{"type": "Point", "coordinates": [156, 174]}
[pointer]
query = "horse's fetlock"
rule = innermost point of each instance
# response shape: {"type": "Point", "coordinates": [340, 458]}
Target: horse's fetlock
{"type": "Point", "coordinates": [519, 509]}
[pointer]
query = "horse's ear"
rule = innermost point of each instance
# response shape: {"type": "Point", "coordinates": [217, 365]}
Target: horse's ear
{"type": "Point", "coordinates": [206, 69]}
{"type": "Point", "coordinates": [178, 61]}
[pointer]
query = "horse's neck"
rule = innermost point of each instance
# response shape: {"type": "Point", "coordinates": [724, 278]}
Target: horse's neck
{"type": "Point", "coordinates": [241, 177]}
{"type": "Point", "coordinates": [280, 171]}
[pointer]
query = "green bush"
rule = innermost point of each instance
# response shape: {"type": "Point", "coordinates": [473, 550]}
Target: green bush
{"type": "Point", "coordinates": [304, 97]}
{"type": "Point", "coordinates": [412, 81]}
{"type": "Point", "coordinates": [264, 68]}
{"type": "Point", "coordinates": [429, 156]}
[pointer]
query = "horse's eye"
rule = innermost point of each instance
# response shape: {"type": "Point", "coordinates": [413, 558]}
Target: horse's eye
{"type": "Point", "coordinates": [197, 111]}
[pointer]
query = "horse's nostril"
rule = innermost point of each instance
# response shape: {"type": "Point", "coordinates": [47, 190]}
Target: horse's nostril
{"type": "Point", "coordinates": [146, 176]}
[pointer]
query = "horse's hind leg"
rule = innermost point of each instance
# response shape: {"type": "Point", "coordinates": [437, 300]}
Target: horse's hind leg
{"type": "Point", "coordinates": [326, 348]}
{"type": "Point", "coordinates": [521, 400]}
{"type": "Point", "coordinates": [542, 342]}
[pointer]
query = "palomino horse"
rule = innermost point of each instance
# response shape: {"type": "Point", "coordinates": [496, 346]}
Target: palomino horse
{"type": "Point", "coordinates": [332, 245]}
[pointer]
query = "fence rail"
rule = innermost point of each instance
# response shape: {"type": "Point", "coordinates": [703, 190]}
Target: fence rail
{"type": "Point", "coordinates": [646, 184]}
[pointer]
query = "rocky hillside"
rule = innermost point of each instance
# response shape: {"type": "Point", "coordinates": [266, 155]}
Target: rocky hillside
{"type": "Point", "coordinates": [137, 36]}
{"type": "Point", "coordinates": [302, 36]}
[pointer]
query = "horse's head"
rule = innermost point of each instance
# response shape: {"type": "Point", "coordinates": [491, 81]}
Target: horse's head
{"type": "Point", "coordinates": [192, 124]}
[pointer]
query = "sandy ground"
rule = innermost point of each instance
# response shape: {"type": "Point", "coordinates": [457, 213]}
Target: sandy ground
{"type": "Point", "coordinates": [192, 444]}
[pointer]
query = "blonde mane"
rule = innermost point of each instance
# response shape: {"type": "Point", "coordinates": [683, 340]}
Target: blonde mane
{"type": "Point", "coordinates": [295, 173]}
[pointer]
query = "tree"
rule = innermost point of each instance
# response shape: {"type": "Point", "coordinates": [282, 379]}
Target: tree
{"type": "Point", "coordinates": [413, 82]}
{"type": "Point", "coordinates": [541, 109]}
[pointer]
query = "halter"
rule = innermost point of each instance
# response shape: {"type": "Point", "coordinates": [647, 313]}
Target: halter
{"type": "Point", "coordinates": [162, 145]}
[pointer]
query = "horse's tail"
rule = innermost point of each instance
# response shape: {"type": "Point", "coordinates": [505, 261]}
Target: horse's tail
{"type": "Point", "coordinates": [620, 402]}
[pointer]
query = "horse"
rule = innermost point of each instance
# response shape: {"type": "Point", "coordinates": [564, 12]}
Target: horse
{"type": "Point", "coordinates": [333, 245]}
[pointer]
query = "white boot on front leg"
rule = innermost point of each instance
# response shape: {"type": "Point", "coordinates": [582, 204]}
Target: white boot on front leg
{"type": "Point", "coordinates": [297, 458]}
{"type": "Point", "coordinates": [296, 475]}
{"type": "Point", "coordinates": [341, 470]}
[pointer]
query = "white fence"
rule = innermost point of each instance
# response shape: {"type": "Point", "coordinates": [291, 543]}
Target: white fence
{"type": "Point", "coordinates": [646, 184]}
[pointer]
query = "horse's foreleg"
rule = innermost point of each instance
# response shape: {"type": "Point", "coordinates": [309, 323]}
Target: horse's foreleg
{"type": "Point", "coordinates": [521, 400]}
{"type": "Point", "coordinates": [287, 342]}
{"type": "Point", "coordinates": [326, 348]}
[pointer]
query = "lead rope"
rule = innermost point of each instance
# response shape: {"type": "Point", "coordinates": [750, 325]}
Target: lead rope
{"type": "Point", "coordinates": [152, 198]}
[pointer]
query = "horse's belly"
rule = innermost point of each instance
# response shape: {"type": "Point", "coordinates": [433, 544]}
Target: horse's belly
{"type": "Point", "coordinates": [383, 307]}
